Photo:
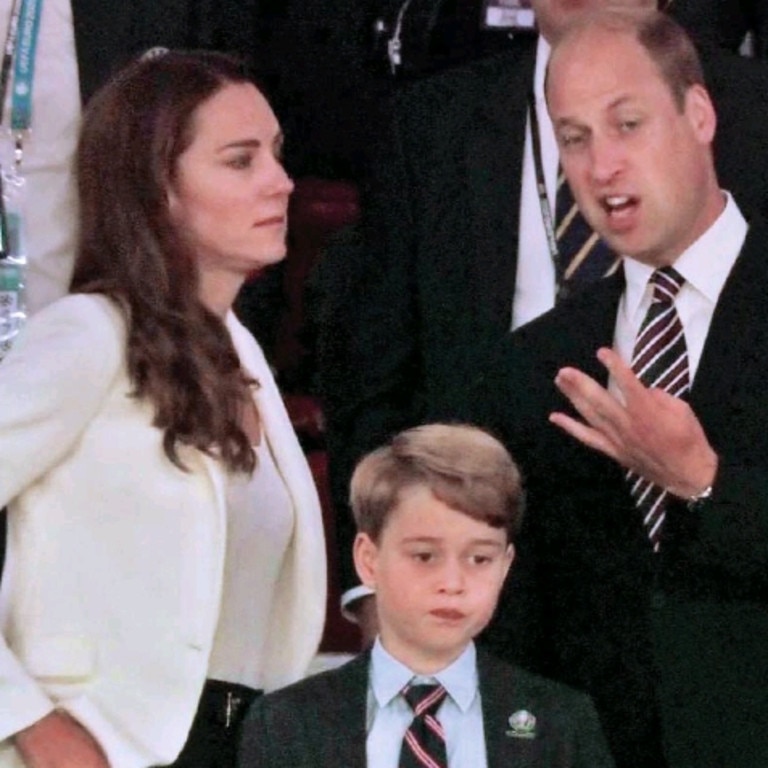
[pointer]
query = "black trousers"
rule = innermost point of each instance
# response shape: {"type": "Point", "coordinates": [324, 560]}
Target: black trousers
{"type": "Point", "coordinates": [215, 732]}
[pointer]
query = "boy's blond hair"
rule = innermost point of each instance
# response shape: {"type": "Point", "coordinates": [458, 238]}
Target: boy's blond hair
{"type": "Point", "coordinates": [463, 466]}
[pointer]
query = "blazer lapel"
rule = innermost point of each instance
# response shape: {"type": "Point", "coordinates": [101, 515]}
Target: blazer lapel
{"type": "Point", "coordinates": [502, 696]}
{"type": "Point", "coordinates": [584, 324]}
{"type": "Point", "coordinates": [345, 705]}
{"type": "Point", "coordinates": [737, 332]}
{"type": "Point", "coordinates": [494, 165]}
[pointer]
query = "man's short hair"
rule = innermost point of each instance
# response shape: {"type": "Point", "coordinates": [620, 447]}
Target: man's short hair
{"type": "Point", "coordinates": [666, 42]}
{"type": "Point", "coordinates": [673, 52]}
{"type": "Point", "coordinates": [463, 466]}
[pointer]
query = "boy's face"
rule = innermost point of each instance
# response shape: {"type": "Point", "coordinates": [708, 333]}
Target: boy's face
{"type": "Point", "coordinates": [437, 574]}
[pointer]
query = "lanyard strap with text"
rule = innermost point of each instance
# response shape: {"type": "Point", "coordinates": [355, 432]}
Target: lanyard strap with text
{"type": "Point", "coordinates": [541, 190]}
{"type": "Point", "coordinates": [24, 71]}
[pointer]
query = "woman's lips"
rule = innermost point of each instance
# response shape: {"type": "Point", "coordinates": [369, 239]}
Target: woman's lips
{"type": "Point", "coordinates": [273, 221]}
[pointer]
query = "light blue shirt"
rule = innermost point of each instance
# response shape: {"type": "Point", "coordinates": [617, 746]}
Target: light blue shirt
{"type": "Point", "coordinates": [389, 714]}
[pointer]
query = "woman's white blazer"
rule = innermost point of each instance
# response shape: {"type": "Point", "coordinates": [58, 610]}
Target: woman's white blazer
{"type": "Point", "coordinates": [113, 578]}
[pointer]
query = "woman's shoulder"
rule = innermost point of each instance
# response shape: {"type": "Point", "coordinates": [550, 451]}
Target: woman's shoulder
{"type": "Point", "coordinates": [93, 315]}
{"type": "Point", "coordinates": [80, 325]}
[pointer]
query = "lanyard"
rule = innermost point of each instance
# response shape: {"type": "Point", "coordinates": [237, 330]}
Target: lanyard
{"type": "Point", "coordinates": [24, 65]}
{"type": "Point", "coordinates": [19, 52]}
{"type": "Point", "coordinates": [8, 51]}
{"type": "Point", "coordinates": [546, 208]}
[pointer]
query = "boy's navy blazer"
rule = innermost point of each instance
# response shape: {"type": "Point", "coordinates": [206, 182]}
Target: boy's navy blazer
{"type": "Point", "coordinates": [321, 721]}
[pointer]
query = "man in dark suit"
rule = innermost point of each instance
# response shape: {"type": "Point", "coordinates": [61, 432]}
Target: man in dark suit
{"type": "Point", "coordinates": [651, 596]}
{"type": "Point", "coordinates": [448, 266]}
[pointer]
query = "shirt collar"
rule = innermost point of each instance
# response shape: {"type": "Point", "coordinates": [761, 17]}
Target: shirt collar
{"type": "Point", "coordinates": [705, 265]}
{"type": "Point", "coordinates": [389, 676]}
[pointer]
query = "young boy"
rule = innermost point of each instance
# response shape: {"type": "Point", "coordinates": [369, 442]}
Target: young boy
{"type": "Point", "coordinates": [436, 512]}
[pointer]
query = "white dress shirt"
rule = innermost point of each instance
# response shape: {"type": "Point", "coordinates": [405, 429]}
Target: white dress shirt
{"type": "Point", "coordinates": [389, 715]}
{"type": "Point", "coordinates": [49, 206]}
{"type": "Point", "coordinates": [705, 265]}
{"type": "Point", "coordinates": [535, 282]}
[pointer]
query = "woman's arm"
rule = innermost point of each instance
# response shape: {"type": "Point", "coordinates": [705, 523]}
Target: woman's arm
{"type": "Point", "coordinates": [51, 385]}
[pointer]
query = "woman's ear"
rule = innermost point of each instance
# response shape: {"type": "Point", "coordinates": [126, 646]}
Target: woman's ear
{"type": "Point", "coordinates": [365, 554]}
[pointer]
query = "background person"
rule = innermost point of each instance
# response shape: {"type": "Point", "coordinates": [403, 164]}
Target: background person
{"type": "Point", "coordinates": [163, 524]}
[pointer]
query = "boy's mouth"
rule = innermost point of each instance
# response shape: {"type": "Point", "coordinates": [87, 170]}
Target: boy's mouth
{"type": "Point", "coordinates": [449, 614]}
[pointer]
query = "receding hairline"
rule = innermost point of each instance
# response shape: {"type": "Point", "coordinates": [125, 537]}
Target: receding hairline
{"type": "Point", "coordinates": [663, 40]}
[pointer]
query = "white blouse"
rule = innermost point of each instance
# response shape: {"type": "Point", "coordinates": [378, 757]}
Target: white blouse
{"type": "Point", "coordinates": [260, 521]}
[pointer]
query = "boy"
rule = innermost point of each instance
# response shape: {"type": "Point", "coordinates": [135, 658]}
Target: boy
{"type": "Point", "coordinates": [436, 511]}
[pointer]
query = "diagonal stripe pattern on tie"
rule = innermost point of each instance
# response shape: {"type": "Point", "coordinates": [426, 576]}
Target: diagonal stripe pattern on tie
{"type": "Point", "coordinates": [424, 741]}
{"type": "Point", "coordinates": [584, 257]}
{"type": "Point", "coordinates": [660, 360]}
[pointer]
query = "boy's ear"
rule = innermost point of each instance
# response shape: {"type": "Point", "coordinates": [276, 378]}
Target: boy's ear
{"type": "Point", "coordinates": [509, 556]}
{"type": "Point", "coordinates": [365, 553]}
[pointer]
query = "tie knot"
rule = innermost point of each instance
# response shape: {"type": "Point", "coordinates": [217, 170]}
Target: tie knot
{"type": "Point", "coordinates": [666, 282]}
{"type": "Point", "coordinates": [424, 699]}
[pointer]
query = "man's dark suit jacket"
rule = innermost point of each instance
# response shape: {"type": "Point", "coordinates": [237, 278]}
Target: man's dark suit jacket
{"type": "Point", "coordinates": [108, 34]}
{"type": "Point", "coordinates": [430, 293]}
{"type": "Point", "coordinates": [679, 636]}
{"type": "Point", "coordinates": [320, 722]}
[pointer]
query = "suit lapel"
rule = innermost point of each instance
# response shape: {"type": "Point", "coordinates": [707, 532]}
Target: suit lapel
{"type": "Point", "coordinates": [585, 323]}
{"type": "Point", "coordinates": [737, 330]}
{"type": "Point", "coordinates": [494, 172]}
{"type": "Point", "coordinates": [345, 705]}
{"type": "Point", "coordinates": [502, 696]}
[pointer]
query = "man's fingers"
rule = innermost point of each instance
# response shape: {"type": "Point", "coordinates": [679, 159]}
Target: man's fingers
{"type": "Point", "coordinates": [626, 380]}
{"type": "Point", "coordinates": [593, 402]}
{"type": "Point", "coordinates": [585, 434]}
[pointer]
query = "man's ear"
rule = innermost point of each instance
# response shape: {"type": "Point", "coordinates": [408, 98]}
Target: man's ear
{"type": "Point", "coordinates": [701, 113]}
{"type": "Point", "coordinates": [365, 554]}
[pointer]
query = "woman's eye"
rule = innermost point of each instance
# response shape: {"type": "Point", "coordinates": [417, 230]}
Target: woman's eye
{"type": "Point", "coordinates": [239, 161]}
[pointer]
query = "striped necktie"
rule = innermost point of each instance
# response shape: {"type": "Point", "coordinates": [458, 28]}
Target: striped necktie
{"type": "Point", "coordinates": [424, 741]}
{"type": "Point", "coordinates": [660, 359]}
{"type": "Point", "coordinates": [584, 256]}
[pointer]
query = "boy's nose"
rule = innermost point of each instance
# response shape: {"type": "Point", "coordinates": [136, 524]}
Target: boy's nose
{"type": "Point", "coordinates": [452, 579]}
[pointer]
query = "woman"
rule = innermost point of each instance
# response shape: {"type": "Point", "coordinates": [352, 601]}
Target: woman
{"type": "Point", "coordinates": [163, 524]}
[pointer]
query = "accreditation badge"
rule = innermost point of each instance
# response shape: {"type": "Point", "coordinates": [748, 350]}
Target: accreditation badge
{"type": "Point", "coordinates": [13, 259]}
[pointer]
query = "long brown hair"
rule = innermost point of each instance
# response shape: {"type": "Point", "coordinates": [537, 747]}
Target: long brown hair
{"type": "Point", "coordinates": [179, 354]}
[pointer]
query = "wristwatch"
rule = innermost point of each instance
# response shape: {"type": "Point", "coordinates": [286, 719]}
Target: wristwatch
{"type": "Point", "coordinates": [697, 501]}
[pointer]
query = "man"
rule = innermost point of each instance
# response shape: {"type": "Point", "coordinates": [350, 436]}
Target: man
{"type": "Point", "coordinates": [456, 252]}
{"type": "Point", "coordinates": [646, 542]}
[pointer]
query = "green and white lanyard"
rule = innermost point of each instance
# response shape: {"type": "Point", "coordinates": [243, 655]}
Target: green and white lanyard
{"type": "Point", "coordinates": [19, 54]}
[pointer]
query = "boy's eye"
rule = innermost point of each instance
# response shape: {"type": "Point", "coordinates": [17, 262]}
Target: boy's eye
{"type": "Point", "coordinates": [481, 559]}
{"type": "Point", "coordinates": [423, 557]}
